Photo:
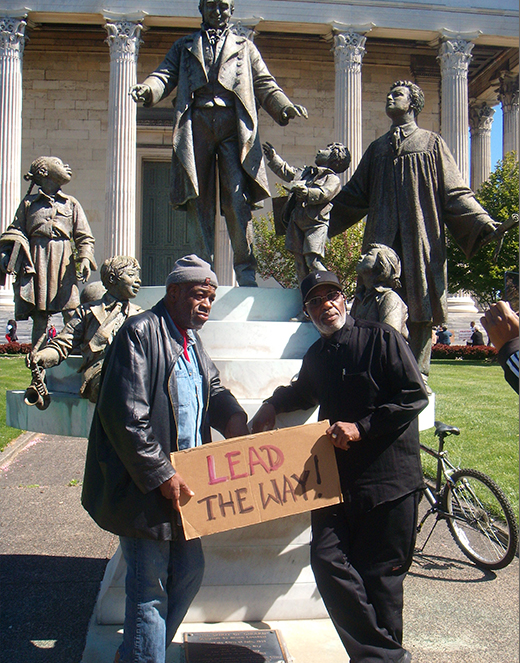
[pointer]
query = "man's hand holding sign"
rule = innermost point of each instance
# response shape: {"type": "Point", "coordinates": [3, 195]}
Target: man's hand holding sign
{"type": "Point", "coordinates": [260, 477]}
{"type": "Point", "coordinates": [341, 434]}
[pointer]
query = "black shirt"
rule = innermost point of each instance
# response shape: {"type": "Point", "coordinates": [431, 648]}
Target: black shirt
{"type": "Point", "coordinates": [366, 374]}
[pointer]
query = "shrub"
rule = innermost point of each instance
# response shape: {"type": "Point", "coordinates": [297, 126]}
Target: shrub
{"type": "Point", "coordinates": [14, 348]}
{"type": "Point", "coordinates": [440, 351]}
{"type": "Point", "coordinates": [483, 275]}
{"type": "Point", "coordinates": [341, 255]}
{"type": "Point", "coordinates": [273, 259]}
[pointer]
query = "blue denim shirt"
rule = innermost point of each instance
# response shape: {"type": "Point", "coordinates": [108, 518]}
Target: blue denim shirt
{"type": "Point", "coordinates": [190, 396]}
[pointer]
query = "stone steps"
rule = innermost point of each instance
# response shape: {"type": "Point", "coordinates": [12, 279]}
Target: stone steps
{"type": "Point", "coordinates": [253, 573]}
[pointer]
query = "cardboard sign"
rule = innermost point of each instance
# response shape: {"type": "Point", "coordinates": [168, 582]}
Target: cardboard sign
{"type": "Point", "coordinates": [255, 478]}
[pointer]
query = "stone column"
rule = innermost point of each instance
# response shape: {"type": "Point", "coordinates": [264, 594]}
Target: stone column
{"type": "Point", "coordinates": [454, 57]}
{"type": "Point", "coordinates": [480, 122]}
{"type": "Point", "coordinates": [508, 96]}
{"type": "Point", "coordinates": [12, 42]}
{"type": "Point", "coordinates": [349, 49]}
{"type": "Point", "coordinates": [120, 203]}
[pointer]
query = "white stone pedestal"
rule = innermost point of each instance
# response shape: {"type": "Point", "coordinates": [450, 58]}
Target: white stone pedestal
{"type": "Point", "coordinates": [260, 572]}
{"type": "Point", "coordinates": [254, 573]}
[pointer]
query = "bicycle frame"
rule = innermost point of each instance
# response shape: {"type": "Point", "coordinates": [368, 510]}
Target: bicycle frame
{"type": "Point", "coordinates": [444, 469]}
{"type": "Point", "coordinates": [488, 542]}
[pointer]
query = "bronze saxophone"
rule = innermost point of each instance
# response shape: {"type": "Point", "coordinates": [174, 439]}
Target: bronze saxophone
{"type": "Point", "coordinates": [37, 392]}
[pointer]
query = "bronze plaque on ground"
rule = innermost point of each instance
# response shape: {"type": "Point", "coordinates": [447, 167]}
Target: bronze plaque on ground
{"type": "Point", "coordinates": [234, 647]}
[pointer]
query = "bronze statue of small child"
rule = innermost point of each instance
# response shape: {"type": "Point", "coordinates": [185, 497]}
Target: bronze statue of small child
{"type": "Point", "coordinates": [307, 210]}
{"type": "Point", "coordinates": [94, 324]}
{"type": "Point", "coordinates": [379, 269]}
{"type": "Point", "coordinates": [37, 248]}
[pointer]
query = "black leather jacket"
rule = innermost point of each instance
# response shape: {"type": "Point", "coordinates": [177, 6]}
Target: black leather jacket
{"type": "Point", "coordinates": [134, 427]}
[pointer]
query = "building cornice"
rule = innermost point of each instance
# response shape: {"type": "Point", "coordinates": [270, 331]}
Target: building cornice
{"type": "Point", "coordinates": [397, 19]}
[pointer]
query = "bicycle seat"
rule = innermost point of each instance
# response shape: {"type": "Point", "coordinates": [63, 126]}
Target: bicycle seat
{"type": "Point", "coordinates": [445, 429]}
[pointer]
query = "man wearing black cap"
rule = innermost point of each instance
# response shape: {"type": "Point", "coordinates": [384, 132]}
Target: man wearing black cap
{"type": "Point", "coordinates": [366, 381]}
{"type": "Point", "coordinates": [159, 392]}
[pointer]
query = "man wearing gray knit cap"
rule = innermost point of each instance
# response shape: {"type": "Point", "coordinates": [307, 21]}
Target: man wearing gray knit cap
{"type": "Point", "coordinates": [192, 269]}
{"type": "Point", "coordinates": [160, 392]}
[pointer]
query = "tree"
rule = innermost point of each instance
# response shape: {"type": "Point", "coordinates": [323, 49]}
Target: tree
{"type": "Point", "coordinates": [341, 255]}
{"type": "Point", "coordinates": [482, 277]}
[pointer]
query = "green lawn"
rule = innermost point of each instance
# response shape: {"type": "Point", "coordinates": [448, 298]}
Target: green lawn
{"type": "Point", "coordinates": [13, 375]}
{"type": "Point", "coordinates": [471, 395]}
{"type": "Point", "coordinates": [474, 396]}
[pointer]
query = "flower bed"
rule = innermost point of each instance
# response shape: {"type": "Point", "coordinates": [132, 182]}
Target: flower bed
{"type": "Point", "coordinates": [440, 351]}
{"type": "Point", "coordinates": [15, 348]}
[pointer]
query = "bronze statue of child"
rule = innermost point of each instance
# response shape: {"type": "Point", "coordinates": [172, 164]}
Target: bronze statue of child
{"type": "Point", "coordinates": [307, 210]}
{"type": "Point", "coordinates": [94, 324]}
{"type": "Point", "coordinates": [379, 269]}
{"type": "Point", "coordinates": [37, 248]}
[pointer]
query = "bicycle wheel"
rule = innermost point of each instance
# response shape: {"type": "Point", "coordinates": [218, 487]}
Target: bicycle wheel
{"type": "Point", "coordinates": [482, 521]}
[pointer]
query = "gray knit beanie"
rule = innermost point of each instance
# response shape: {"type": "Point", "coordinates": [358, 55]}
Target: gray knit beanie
{"type": "Point", "coordinates": [192, 269]}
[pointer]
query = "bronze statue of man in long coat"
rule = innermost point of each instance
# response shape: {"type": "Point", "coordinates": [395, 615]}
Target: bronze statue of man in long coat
{"type": "Point", "coordinates": [410, 188]}
{"type": "Point", "coordinates": [220, 79]}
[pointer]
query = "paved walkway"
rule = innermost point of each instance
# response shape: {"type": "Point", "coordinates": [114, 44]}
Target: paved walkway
{"type": "Point", "coordinates": [52, 559]}
{"type": "Point", "coordinates": [24, 327]}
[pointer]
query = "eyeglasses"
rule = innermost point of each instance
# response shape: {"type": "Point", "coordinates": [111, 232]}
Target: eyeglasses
{"type": "Point", "coordinates": [316, 302]}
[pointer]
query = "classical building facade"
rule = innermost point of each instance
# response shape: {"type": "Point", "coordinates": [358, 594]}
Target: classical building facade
{"type": "Point", "coordinates": [65, 71]}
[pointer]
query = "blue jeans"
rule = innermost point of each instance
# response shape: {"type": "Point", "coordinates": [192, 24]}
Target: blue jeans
{"type": "Point", "coordinates": [162, 579]}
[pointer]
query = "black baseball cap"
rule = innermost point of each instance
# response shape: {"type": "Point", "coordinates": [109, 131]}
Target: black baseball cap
{"type": "Point", "coordinates": [315, 279]}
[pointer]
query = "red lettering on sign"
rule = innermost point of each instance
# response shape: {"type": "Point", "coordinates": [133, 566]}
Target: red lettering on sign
{"type": "Point", "coordinates": [232, 464]}
{"type": "Point", "coordinates": [213, 479]}
{"type": "Point", "coordinates": [274, 455]}
{"type": "Point", "coordinates": [252, 462]}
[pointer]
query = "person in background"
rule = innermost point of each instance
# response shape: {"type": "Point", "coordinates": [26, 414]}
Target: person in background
{"type": "Point", "coordinates": [501, 324]}
{"type": "Point", "coordinates": [476, 337]}
{"type": "Point", "coordinates": [11, 331]}
{"type": "Point", "coordinates": [444, 336]}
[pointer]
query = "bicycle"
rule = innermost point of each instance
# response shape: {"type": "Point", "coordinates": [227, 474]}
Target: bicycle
{"type": "Point", "coordinates": [478, 514]}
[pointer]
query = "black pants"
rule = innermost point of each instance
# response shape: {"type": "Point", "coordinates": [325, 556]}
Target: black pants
{"type": "Point", "coordinates": [360, 560]}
